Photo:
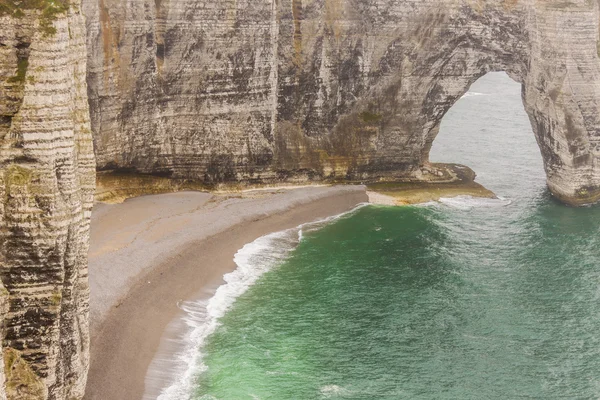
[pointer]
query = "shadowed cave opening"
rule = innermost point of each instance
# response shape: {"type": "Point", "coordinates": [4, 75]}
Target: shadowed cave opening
{"type": "Point", "coordinates": [489, 131]}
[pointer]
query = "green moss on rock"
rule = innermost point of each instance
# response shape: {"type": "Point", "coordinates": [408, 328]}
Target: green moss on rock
{"type": "Point", "coordinates": [48, 11]}
{"type": "Point", "coordinates": [369, 117]}
{"type": "Point", "coordinates": [56, 298]}
{"type": "Point", "coordinates": [22, 66]}
{"type": "Point", "coordinates": [18, 176]}
{"type": "Point", "coordinates": [21, 380]}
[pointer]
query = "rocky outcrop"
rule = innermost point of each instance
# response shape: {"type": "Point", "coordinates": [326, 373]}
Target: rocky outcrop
{"type": "Point", "coordinates": [250, 91]}
{"type": "Point", "coordinates": [3, 311]}
{"type": "Point", "coordinates": [46, 192]}
{"type": "Point", "coordinates": [263, 90]}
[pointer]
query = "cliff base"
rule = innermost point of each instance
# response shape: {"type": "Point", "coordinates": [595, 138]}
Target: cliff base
{"type": "Point", "coordinates": [438, 181]}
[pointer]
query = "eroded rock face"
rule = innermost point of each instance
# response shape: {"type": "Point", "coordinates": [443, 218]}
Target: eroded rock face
{"type": "Point", "coordinates": [46, 192]}
{"type": "Point", "coordinates": [253, 91]}
{"type": "Point", "coordinates": [261, 90]}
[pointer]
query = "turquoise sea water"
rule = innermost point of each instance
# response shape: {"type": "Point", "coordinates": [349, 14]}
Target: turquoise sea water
{"type": "Point", "coordinates": [465, 299]}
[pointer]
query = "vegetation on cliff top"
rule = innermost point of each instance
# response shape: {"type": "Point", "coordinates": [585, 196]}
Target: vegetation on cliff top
{"type": "Point", "coordinates": [48, 10]}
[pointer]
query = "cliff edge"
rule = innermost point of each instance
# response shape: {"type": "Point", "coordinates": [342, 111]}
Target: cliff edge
{"type": "Point", "coordinates": [46, 193]}
{"type": "Point", "coordinates": [251, 91]}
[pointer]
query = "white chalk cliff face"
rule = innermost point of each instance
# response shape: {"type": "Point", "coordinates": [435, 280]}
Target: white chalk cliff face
{"type": "Point", "coordinates": [46, 193]}
{"type": "Point", "coordinates": [250, 91]}
{"type": "Point", "coordinates": [264, 90]}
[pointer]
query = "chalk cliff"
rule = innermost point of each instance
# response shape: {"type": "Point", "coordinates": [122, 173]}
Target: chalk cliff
{"type": "Point", "coordinates": [264, 90]}
{"type": "Point", "coordinates": [251, 91]}
{"type": "Point", "coordinates": [46, 192]}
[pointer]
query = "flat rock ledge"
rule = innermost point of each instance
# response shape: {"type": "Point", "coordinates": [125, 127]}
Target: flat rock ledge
{"type": "Point", "coordinates": [438, 181]}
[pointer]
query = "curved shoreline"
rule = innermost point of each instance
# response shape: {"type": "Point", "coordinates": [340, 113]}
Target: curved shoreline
{"type": "Point", "coordinates": [168, 258]}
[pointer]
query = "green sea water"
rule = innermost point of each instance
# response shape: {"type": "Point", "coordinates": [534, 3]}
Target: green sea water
{"type": "Point", "coordinates": [463, 299]}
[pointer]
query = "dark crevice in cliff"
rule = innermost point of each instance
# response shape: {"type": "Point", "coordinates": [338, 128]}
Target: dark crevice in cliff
{"type": "Point", "coordinates": [161, 14]}
{"type": "Point", "coordinates": [15, 93]}
{"type": "Point", "coordinates": [297, 17]}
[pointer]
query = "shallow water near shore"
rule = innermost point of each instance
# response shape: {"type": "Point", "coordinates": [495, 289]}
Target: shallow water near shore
{"type": "Point", "coordinates": [463, 298]}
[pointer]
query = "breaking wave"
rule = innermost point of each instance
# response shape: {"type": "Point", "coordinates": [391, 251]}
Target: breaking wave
{"type": "Point", "coordinates": [202, 316]}
{"type": "Point", "coordinates": [468, 202]}
{"type": "Point", "coordinates": [471, 94]}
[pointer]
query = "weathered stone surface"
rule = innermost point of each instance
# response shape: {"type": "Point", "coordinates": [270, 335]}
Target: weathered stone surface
{"type": "Point", "coordinates": [3, 311]}
{"type": "Point", "coordinates": [46, 192]}
{"type": "Point", "coordinates": [263, 90]}
{"type": "Point", "coordinates": [251, 91]}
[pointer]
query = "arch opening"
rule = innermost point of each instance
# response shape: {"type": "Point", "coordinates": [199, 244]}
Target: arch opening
{"type": "Point", "coordinates": [489, 131]}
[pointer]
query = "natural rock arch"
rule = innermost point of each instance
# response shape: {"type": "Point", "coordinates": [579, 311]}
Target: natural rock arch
{"type": "Point", "coordinates": [247, 90]}
{"type": "Point", "coordinates": [432, 62]}
{"type": "Point", "coordinates": [489, 131]}
{"type": "Point", "coordinates": [333, 89]}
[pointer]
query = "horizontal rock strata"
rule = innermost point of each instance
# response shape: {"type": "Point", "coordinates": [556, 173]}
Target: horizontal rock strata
{"type": "Point", "coordinates": [300, 90]}
{"type": "Point", "coordinates": [252, 91]}
{"type": "Point", "coordinates": [46, 192]}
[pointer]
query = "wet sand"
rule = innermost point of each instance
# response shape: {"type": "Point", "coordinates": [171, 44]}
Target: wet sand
{"type": "Point", "coordinates": [150, 253]}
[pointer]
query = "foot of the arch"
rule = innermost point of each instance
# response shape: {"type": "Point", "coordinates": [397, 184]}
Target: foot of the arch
{"type": "Point", "coordinates": [583, 196]}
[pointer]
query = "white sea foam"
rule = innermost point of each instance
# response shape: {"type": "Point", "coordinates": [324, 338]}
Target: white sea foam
{"type": "Point", "coordinates": [466, 202]}
{"type": "Point", "coordinates": [329, 391]}
{"type": "Point", "coordinates": [202, 317]}
{"type": "Point", "coordinates": [469, 202]}
{"type": "Point", "coordinates": [471, 94]}
{"type": "Point", "coordinates": [428, 204]}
